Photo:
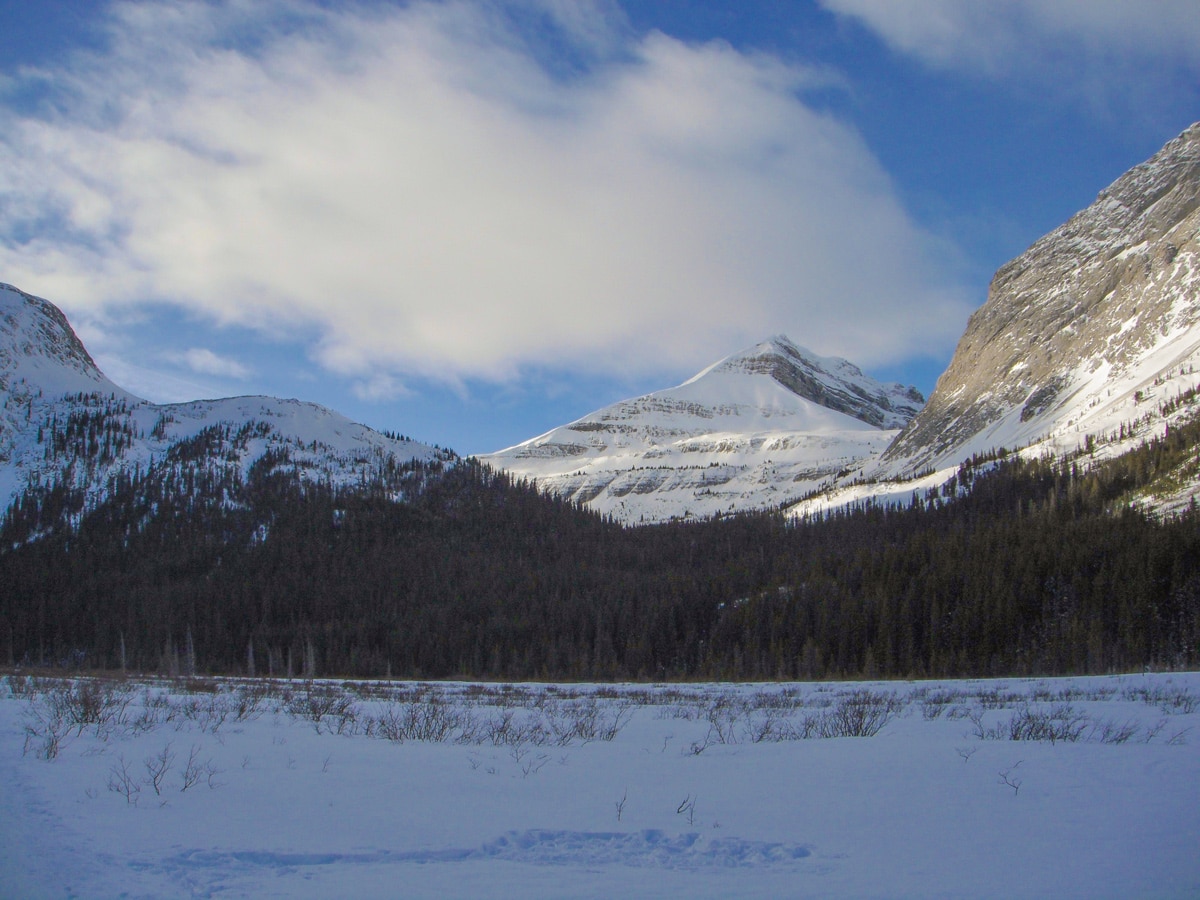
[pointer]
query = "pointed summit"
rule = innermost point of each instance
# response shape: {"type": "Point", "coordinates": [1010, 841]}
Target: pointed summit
{"type": "Point", "coordinates": [753, 430]}
{"type": "Point", "coordinates": [828, 381]}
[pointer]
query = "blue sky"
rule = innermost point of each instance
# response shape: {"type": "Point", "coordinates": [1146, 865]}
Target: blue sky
{"type": "Point", "coordinates": [470, 222]}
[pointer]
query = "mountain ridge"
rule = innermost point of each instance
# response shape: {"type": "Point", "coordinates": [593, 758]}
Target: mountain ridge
{"type": "Point", "coordinates": [1088, 340]}
{"type": "Point", "coordinates": [829, 381]}
{"type": "Point", "coordinates": [64, 420]}
{"type": "Point", "coordinates": [756, 429]}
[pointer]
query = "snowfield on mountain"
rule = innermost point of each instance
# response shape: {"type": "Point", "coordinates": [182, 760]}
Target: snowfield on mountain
{"type": "Point", "coordinates": [758, 429]}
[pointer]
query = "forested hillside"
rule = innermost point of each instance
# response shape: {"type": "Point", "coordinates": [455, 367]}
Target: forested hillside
{"type": "Point", "coordinates": [1040, 567]}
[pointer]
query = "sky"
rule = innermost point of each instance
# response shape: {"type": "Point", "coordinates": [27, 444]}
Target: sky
{"type": "Point", "coordinates": [470, 221]}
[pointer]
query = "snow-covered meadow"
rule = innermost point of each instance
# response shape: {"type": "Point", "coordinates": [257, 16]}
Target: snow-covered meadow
{"type": "Point", "coordinates": [1081, 787]}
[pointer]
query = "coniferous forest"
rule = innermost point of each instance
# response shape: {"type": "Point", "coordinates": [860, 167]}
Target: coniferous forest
{"type": "Point", "coordinates": [1016, 567]}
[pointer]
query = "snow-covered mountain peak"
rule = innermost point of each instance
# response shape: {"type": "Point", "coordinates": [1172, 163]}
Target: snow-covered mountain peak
{"type": "Point", "coordinates": [63, 420]}
{"type": "Point", "coordinates": [828, 381]}
{"type": "Point", "coordinates": [40, 352]}
{"type": "Point", "coordinates": [755, 429]}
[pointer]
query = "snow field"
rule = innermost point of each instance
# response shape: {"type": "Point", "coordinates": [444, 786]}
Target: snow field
{"type": "Point", "coordinates": [331, 788]}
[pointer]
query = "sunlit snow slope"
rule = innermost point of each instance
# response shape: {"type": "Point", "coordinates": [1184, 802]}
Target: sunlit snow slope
{"type": "Point", "coordinates": [758, 429]}
{"type": "Point", "coordinates": [62, 418]}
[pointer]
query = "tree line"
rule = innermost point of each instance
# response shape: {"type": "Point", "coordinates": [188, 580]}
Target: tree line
{"type": "Point", "coordinates": [1040, 567]}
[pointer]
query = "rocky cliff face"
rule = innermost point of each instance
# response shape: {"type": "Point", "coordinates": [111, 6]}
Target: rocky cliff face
{"type": "Point", "coordinates": [1080, 329]}
{"type": "Point", "coordinates": [758, 429]}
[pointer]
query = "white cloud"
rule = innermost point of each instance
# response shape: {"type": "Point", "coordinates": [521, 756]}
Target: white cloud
{"type": "Point", "coordinates": [1078, 40]}
{"type": "Point", "coordinates": [203, 361]}
{"type": "Point", "coordinates": [153, 384]}
{"type": "Point", "coordinates": [379, 387]}
{"type": "Point", "coordinates": [415, 186]}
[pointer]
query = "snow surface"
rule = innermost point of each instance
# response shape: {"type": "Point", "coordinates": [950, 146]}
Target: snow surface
{"type": "Point", "coordinates": [682, 802]}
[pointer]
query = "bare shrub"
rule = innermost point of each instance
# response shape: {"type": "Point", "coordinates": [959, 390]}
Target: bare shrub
{"type": "Point", "coordinates": [1096, 694]}
{"type": "Point", "coordinates": [1178, 739]}
{"type": "Point", "coordinates": [857, 713]}
{"type": "Point", "coordinates": [1062, 722]}
{"type": "Point", "coordinates": [195, 771]}
{"type": "Point", "coordinates": [861, 713]}
{"type": "Point", "coordinates": [508, 729]}
{"type": "Point", "coordinates": [90, 702]}
{"type": "Point", "coordinates": [1153, 730]}
{"type": "Point", "coordinates": [57, 708]}
{"type": "Point", "coordinates": [688, 808]}
{"type": "Point", "coordinates": [1009, 779]}
{"type": "Point", "coordinates": [251, 701]}
{"type": "Point", "coordinates": [1109, 732]}
{"type": "Point", "coordinates": [21, 686]}
{"type": "Point", "coordinates": [209, 710]}
{"type": "Point", "coordinates": [1174, 700]}
{"type": "Point", "coordinates": [533, 764]}
{"type": "Point", "coordinates": [431, 721]}
{"type": "Point", "coordinates": [585, 720]}
{"type": "Point", "coordinates": [121, 781]}
{"type": "Point", "coordinates": [767, 725]}
{"type": "Point", "coordinates": [44, 736]}
{"type": "Point", "coordinates": [192, 770]}
{"type": "Point", "coordinates": [160, 706]}
{"type": "Point", "coordinates": [157, 766]}
{"type": "Point", "coordinates": [325, 706]}
{"type": "Point", "coordinates": [975, 717]}
{"type": "Point", "coordinates": [998, 698]}
{"type": "Point", "coordinates": [723, 719]}
{"type": "Point", "coordinates": [935, 702]}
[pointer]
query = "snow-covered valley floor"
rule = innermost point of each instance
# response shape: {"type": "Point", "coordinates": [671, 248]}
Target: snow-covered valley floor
{"type": "Point", "coordinates": [1080, 787]}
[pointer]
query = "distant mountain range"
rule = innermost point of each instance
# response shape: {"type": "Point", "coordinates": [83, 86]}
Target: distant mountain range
{"type": "Point", "coordinates": [1088, 342]}
{"type": "Point", "coordinates": [992, 536]}
{"type": "Point", "coordinates": [62, 421]}
{"type": "Point", "coordinates": [1090, 339]}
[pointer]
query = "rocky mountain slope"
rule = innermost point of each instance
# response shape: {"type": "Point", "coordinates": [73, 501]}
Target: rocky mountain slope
{"type": "Point", "coordinates": [63, 421]}
{"type": "Point", "coordinates": [1080, 326]}
{"type": "Point", "coordinates": [758, 429]}
{"type": "Point", "coordinates": [1089, 339]}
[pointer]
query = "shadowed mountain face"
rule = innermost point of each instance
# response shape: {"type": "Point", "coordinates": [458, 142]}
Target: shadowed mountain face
{"type": "Point", "coordinates": [1080, 328]}
{"type": "Point", "coordinates": [827, 381]}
